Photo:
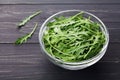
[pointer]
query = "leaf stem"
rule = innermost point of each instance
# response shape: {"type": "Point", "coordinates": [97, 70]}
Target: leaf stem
{"type": "Point", "coordinates": [24, 21]}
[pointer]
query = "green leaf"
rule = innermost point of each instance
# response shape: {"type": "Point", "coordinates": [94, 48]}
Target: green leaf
{"type": "Point", "coordinates": [26, 37]}
{"type": "Point", "coordinates": [24, 21]}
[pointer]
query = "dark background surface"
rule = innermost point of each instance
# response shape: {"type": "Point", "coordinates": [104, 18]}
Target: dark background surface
{"type": "Point", "coordinates": [26, 62]}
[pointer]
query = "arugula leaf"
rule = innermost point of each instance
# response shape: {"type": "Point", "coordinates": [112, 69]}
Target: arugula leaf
{"type": "Point", "coordinates": [74, 38]}
{"type": "Point", "coordinates": [26, 37]}
{"type": "Point", "coordinates": [24, 21]}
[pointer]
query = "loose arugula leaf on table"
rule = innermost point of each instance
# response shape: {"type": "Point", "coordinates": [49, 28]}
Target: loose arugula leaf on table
{"type": "Point", "coordinates": [73, 38]}
{"type": "Point", "coordinates": [26, 37]}
{"type": "Point", "coordinates": [24, 21]}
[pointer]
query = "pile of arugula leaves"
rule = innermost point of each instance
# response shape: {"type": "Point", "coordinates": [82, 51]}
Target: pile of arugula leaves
{"type": "Point", "coordinates": [74, 38]}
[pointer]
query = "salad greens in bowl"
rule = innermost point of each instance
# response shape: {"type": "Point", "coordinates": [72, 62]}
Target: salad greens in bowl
{"type": "Point", "coordinates": [73, 39]}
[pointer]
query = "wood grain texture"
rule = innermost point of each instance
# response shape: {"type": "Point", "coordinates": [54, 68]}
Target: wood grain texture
{"type": "Point", "coordinates": [10, 52]}
{"type": "Point", "coordinates": [26, 62]}
{"type": "Point", "coordinates": [57, 1]}
{"type": "Point", "coordinates": [11, 15]}
{"type": "Point", "coordinates": [15, 13]}
{"type": "Point", "coordinates": [99, 71]}
{"type": "Point", "coordinates": [9, 32]}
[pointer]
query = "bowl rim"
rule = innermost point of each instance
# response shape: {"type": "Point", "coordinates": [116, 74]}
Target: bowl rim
{"type": "Point", "coordinates": [80, 62]}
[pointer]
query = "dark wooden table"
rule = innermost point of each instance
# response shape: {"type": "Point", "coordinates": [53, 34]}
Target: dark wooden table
{"type": "Point", "coordinates": [26, 62]}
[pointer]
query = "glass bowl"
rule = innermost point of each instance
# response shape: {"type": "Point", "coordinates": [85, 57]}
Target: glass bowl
{"type": "Point", "coordinates": [74, 65]}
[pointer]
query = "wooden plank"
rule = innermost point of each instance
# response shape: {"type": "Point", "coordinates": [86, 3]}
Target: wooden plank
{"type": "Point", "coordinates": [10, 15]}
{"type": "Point", "coordinates": [15, 13]}
{"type": "Point", "coordinates": [99, 71]}
{"type": "Point", "coordinates": [9, 32]}
{"type": "Point", "coordinates": [26, 62]}
{"type": "Point", "coordinates": [31, 54]}
{"type": "Point", "coordinates": [56, 1]}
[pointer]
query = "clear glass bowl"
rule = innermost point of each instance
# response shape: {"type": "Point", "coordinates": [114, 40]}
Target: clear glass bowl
{"type": "Point", "coordinates": [74, 65]}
